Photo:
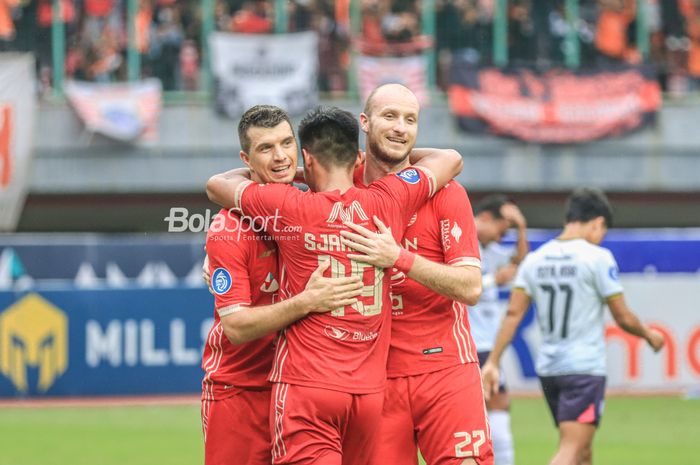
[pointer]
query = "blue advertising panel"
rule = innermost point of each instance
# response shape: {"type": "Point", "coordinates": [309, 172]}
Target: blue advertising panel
{"type": "Point", "coordinates": [139, 324]}
{"type": "Point", "coordinates": [102, 342]}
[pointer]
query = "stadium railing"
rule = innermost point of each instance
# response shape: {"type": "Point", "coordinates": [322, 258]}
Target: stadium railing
{"type": "Point", "coordinates": [428, 27]}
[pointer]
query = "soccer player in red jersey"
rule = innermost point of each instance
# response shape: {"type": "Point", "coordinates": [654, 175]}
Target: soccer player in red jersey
{"type": "Point", "coordinates": [244, 279]}
{"type": "Point", "coordinates": [330, 369]}
{"type": "Point", "coordinates": [434, 400]}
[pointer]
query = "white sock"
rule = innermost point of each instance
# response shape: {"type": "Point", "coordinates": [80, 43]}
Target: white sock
{"type": "Point", "coordinates": [502, 437]}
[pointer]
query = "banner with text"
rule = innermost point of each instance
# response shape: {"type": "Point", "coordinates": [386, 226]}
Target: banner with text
{"type": "Point", "coordinates": [557, 107]}
{"type": "Point", "coordinates": [125, 111]}
{"type": "Point", "coordinates": [255, 69]}
{"type": "Point", "coordinates": [17, 107]}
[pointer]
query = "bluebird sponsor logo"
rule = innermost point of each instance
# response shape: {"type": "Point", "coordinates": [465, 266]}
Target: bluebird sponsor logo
{"type": "Point", "coordinates": [336, 333]}
{"type": "Point", "coordinates": [409, 175]}
{"type": "Point", "coordinates": [221, 280]}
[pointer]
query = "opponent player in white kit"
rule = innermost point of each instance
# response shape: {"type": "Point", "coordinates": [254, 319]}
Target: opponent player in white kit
{"type": "Point", "coordinates": [570, 279]}
{"type": "Point", "coordinates": [494, 215]}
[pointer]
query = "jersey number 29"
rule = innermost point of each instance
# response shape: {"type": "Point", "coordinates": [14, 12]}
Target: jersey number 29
{"type": "Point", "coordinates": [374, 290]}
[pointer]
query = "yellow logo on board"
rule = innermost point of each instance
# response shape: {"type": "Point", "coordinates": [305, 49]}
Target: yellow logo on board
{"type": "Point", "coordinates": [33, 333]}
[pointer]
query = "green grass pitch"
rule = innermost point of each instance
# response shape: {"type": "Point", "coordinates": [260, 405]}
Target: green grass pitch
{"type": "Point", "coordinates": [635, 431]}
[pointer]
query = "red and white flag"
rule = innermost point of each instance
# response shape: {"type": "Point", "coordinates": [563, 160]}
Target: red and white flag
{"type": "Point", "coordinates": [411, 71]}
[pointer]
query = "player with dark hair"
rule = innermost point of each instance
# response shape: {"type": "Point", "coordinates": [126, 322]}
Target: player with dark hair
{"type": "Point", "coordinates": [330, 369]}
{"type": "Point", "coordinates": [570, 279]}
{"type": "Point", "coordinates": [434, 399]}
{"type": "Point", "coordinates": [495, 214]}
{"type": "Point", "coordinates": [243, 265]}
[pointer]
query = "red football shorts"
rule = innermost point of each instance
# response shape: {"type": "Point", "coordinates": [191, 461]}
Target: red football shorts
{"type": "Point", "coordinates": [322, 427]}
{"type": "Point", "coordinates": [442, 413]}
{"type": "Point", "coordinates": [236, 429]}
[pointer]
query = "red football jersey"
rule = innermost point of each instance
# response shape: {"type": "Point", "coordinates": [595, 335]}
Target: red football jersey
{"type": "Point", "coordinates": [243, 268]}
{"type": "Point", "coordinates": [429, 331]}
{"type": "Point", "coordinates": [346, 349]}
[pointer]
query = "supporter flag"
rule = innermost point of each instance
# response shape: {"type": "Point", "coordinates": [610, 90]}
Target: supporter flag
{"type": "Point", "coordinates": [409, 71]}
{"type": "Point", "coordinates": [560, 106]}
{"type": "Point", "coordinates": [125, 111]}
{"type": "Point", "coordinates": [17, 106]}
{"type": "Point", "coordinates": [253, 69]}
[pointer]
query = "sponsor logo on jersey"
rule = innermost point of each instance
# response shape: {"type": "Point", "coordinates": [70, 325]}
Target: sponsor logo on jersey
{"type": "Point", "coordinates": [432, 350]}
{"type": "Point", "coordinates": [456, 232]}
{"type": "Point", "coordinates": [614, 273]}
{"type": "Point", "coordinates": [221, 281]}
{"type": "Point", "coordinates": [33, 333]}
{"type": "Point", "coordinates": [445, 233]}
{"type": "Point", "coordinates": [270, 284]}
{"type": "Point", "coordinates": [349, 213]}
{"type": "Point", "coordinates": [360, 336]}
{"type": "Point", "coordinates": [410, 175]}
{"type": "Point", "coordinates": [336, 333]}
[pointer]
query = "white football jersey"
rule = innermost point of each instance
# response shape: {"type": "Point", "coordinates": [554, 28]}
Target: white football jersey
{"type": "Point", "coordinates": [485, 317]}
{"type": "Point", "coordinates": [569, 281]}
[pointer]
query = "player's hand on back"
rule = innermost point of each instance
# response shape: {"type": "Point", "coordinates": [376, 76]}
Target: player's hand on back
{"type": "Point", "coordinates": [376, 248]}
{"type": "Point", "coordinates": [656, 340]}
{"type": "Point", "coordinates": [327, 294]}
{"type": "Point", "coordinates": [489, 379]}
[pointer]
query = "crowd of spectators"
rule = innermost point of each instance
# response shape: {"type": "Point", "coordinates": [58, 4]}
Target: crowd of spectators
{"type": "Point", "coordinates": [169, 35]}
{"type": "Point", "coordinates": [605, 31]}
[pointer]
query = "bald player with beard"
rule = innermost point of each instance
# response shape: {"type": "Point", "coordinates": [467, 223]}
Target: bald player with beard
{"type": "Point", "coordinates": [434, 400]}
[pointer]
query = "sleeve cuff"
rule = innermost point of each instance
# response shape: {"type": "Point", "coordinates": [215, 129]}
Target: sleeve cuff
{"type": "Point", "coordinates": [223, 311]}
{"type": "Point", "coordinates": [238, 194]}
{"type": "Point", "coordinates": [465, 261]}
{"type": "Point", "coordinates": [432, 182]}
{"type": "Point", "coordinates": [520, 288]}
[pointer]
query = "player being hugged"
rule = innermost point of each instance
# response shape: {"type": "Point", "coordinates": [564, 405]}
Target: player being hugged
{"type": "Point", "coordinates": [242, 263]}
{"type": "Point", "coordinates": [434, 399]}
{"type": "Point", "coordinates": [330, 369]}
{"type": "Point", "coordinates": [570, 279]}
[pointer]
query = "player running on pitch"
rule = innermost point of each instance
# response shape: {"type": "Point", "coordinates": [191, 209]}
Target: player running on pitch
{"type": "Point", "coordinates": [330, 369]}
{"type": "Point", "coordinates": [570, 279]}
{"type": "Point", "coordinates": [243, 263]}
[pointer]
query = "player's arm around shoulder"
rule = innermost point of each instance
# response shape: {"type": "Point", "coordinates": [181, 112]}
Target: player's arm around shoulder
{"type": "Point", "coordinates": [221, 188]}
{"type": "Point", "coordinates": [442, 164]}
